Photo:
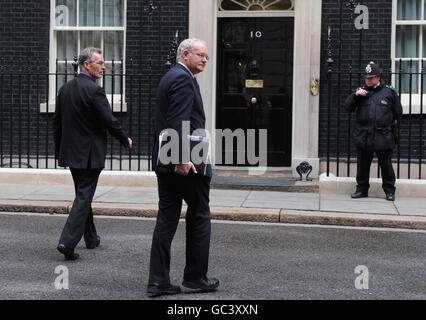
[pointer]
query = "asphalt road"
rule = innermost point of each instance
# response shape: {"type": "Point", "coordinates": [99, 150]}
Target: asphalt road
{"type": "Point", "coordinates": [253, 261]}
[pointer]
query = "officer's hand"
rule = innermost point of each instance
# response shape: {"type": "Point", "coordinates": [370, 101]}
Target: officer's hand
{"type": "Point", "coordinates": [361, 92]}
{"type": "Point", "coordinates": [184, 168]}
{"type": "Point", "coordinates": [130, 143]}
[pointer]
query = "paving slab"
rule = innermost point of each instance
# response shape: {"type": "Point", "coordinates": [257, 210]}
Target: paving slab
{"type": "Point", "coordinates": [59, 193]}
{"type": "Point", "coordinates": [363, 207]}
{"type": "Point", "coordinates": [278, 196]}
{"type": "Point", "coordinates": [410, 206]}
{"type": "Point", "coordinates": [228, 198]}
{"type": "Point", "coordinates": [289, 204]}
{"type": "Point", "coordinates": [129, 195]}
{"type": "Point", "coordinates": [229, 193]}
{"type": "Point", "coordinates": [226, 201]}
{"type": "Point", "coordinates": [17, 191]}
{"type": "Point", "coordinates": [347, 197]}
{"type": "Point", "coordinates": [289, 200]}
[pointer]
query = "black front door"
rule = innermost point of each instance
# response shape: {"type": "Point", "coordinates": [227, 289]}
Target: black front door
{"type": "Point", "coordinates": [255, 81]}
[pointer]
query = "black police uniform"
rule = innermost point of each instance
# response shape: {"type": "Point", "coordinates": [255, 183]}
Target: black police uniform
{"type": "Point", "coordinates": [377, 116]}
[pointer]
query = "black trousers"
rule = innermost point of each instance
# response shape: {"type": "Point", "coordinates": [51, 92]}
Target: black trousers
{"type": "Point", "coordinates": [363, 170]}
{"type": "Point", "coordinates": [80, 219]}
{"type": "Point", "coordinates": [172, 189]}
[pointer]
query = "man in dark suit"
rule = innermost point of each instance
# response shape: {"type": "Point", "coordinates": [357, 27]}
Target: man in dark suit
{"type": "Point", "coordinates": [82, 118]}
{"type": "Point", "coordinates": [179, 102]}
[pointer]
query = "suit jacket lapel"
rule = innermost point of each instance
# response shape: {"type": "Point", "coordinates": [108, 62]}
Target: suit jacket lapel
{"type": "Point", "coordinates": [196, 86]}
{"type": "Point", "coordinates": [198, 96]}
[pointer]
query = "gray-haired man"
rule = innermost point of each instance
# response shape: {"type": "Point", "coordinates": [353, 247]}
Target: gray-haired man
{"type": "Point", "coordinates": [178, 101]}
{"type": "Point", "coordinates": [82, 118]}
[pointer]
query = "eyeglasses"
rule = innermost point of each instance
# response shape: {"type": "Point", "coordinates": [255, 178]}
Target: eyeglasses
{"type": "Point", "coordinates": [101, 63]}
{"type": "Point", "coordinates": [202, 56]}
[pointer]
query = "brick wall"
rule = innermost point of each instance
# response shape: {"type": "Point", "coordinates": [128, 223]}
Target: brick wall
{"type": "Point", "coordinates": [375, 45]}
{"type": "Point", "coordinates": [24, 32]}
{"type": "Point", "coordinates": [24, 49]}
{"type": "Point", "coordinates": [148, 43]}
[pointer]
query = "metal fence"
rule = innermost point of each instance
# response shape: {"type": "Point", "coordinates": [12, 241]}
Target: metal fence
{"type": "Point", "coordinates": [27, 109]}
{"type": "Point", "coordinates": [409, 155]}
{"type": "Point", "coordinates": [346, 54]}
{"type": "Point", "coordinates": [26, 136]}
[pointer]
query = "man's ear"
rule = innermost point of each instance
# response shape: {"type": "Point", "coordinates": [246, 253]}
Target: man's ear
{"type": "Point", "coordinates": [185, 53]}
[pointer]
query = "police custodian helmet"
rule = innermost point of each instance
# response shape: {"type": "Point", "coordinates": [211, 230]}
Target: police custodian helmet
{"type": "Point", "coordinates": [372, 70]}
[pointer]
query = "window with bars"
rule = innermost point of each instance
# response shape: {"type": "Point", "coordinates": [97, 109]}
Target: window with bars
{"type": "Point", "coordinates": [78, 24]}
{"type": "Point", "coordinates": [410, 49]}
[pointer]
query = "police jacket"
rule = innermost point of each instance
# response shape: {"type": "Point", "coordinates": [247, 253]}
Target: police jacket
{"type": "Point", "coordinates": [377, 116]}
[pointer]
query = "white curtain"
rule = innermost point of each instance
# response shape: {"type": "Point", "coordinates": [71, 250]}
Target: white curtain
{"type": "Point", "coordinates": [424, 40]}
{"type": "Point", "coordinates": [65, 12]}
{"type": "Point", "coordinates": [112, 13]}
{"type": "Point", "coordinates": [66, 50]}
{"type": "Point", "coordinates": [113, 45]}
{"type": "Point", "coordinates": [423, 62]}
{"type": "Point", "coordinates": [407, 67]}
{"type": "Point", "coordinates": [66, 44]}
{"type": "Point", "coordinates": [90, 13]}
{"type": "Point", "coordinates": [90, 39]}
{"type": "Point", "coordinates": [408, 45]}
{"type": "Point", "coordinates": [407, 41]}
{"type": "Point", "coordinates": [409, 9]}
{"type": "Point", "coordinates": [113, 50]}
{"type": "Point", "coordinates": [117, 79]}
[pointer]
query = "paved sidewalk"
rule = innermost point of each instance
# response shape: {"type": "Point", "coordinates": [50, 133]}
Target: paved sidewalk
{"type": "Point", "coordinates": [243, 205]}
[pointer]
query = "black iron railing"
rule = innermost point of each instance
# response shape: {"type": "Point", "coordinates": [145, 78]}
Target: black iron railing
{"type": "Point", "coordinates": [409, 154]}
{"type": "Point", "coordinates": [343, 74]}
{"type": "Point", "coordinates": [27, 101]}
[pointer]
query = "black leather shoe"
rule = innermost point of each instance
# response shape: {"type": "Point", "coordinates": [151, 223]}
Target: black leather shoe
{"type": "Point", "coordinates": [390, 196]}
{"type": "Point", "coordinates": [155, 290]}
{"type": "Point", "coordinates": [67, 252]}
{"type": "Point", "coordinates": [359, 194]}
{"type": "Point", "coordinates": [94, 244]}
{"type": "Point", "coordinates": [208, 284]}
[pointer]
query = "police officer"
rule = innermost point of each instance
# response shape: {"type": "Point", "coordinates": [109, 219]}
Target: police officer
{"type": "Point", "coordinates": [378, 112]}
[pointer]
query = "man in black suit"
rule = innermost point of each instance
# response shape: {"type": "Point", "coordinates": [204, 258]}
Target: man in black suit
{"type": "Point", "coordinates": [82, 118]}
{"type": "Point", "coordinates": [179, 102]}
